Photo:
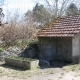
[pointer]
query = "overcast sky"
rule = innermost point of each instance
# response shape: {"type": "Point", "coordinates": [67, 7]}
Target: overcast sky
{"type": "Point", "coordinates": [21, 6]}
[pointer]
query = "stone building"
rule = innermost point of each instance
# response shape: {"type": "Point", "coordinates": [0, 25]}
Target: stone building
{"type": "Point", "coordinates": [61, 40]}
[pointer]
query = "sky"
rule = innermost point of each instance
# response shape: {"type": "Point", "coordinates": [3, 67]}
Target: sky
{"type": "Point", "coordinates": [19, 6]}
{"type": "Point", "coordinates": [22, 5]}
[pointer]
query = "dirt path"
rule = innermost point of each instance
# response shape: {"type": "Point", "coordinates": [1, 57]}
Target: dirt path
{"type": "Point", "coordinates": [70, 72]}
{"type": "Point", "coordinates": [57, 76]}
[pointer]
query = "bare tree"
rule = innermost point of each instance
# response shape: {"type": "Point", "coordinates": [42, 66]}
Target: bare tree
{"type": "Point", "coordinates": [57, 7]}
{"type": "Point", "coordinates": [28, 18]}
{"type": "Point", "coordinates": [72, 10]}
{"type": "Point", "coordinates": [1, 13]}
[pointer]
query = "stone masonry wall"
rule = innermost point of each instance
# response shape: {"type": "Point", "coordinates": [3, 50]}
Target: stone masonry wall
{"type": "Point", "coordinates": [47, 48]}
{"type": "Point", "coordinates": [64, 49]}
{"type": "Point", "coordinates": [55, 49]}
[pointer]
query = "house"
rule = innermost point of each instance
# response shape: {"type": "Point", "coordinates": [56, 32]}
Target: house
{"type": "Point", "coordinates": [61, 40]}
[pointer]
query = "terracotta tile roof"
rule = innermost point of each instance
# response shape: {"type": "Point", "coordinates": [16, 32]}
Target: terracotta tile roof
{"type": "Point", "coordinates": [63, 27]}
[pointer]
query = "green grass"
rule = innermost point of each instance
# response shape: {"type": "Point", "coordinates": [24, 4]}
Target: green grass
{"type": "Point", "coordinates": [38, 67]}
{"type": "Point", "coordinates": [21, 58]}
{"type": "Point", "coordinates": [73, 67]}
{"type": "Point", "coordinates": [1, 49]}
{"type": "Point", "coordinates": [16, 73]}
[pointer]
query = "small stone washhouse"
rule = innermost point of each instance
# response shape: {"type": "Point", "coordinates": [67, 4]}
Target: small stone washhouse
{"type": "Point", "coordinates": [61, 40]}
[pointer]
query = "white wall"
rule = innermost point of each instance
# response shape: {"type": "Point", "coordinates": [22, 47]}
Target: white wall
{"type": "Point", "coordinates": [76, 49]}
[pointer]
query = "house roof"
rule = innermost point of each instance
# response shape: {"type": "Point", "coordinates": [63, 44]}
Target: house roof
{"type": "Point", "coordinates": [63, 27]}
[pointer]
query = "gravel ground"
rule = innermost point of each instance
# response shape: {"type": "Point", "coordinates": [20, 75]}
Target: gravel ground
{"type": "Point", "coordinates": [70, 72]}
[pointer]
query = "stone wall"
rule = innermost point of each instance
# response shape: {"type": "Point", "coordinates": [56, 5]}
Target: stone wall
{"type": "Point", "coordinates": [47, 48]}
{"type": "Point", "coordinates": [64, 49]}
{"type": "Point", "coordinates": [55, 49]}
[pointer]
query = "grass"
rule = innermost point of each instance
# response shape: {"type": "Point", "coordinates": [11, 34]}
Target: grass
{"type": "Point", "coordinates": [38, 67]}
{"type": "Point", "coordinates": [30, 42]}
{"type": "Point", "coordinates": [16, 72]}
{"type": "Point", "coordinates": [1, 49]}
{"type": "Point", "coordinates": [21, 58]}
{"type": "Point", "coordinates": [73, 67]}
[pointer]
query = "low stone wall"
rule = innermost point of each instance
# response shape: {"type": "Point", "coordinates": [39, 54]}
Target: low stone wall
{"type": "Point", "coordinates": [23, 64]}
{"type": "Point", "coordinates": [55, 49]}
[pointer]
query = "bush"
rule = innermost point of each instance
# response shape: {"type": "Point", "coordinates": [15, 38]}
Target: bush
{"type": "Point", "coordinates": [1, 49]}
{"type": "Point", "coordinates": [13, 35]}
{"type": "Point", "coordinates": [33, 41]}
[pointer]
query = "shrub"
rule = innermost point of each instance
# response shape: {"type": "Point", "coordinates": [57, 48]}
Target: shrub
{"type": "Point", "coordinates": [1, 49]}
{"type": "Point", "coordinates": [33, 41]}
{"type": "Point", "coordinates": [13, 35]}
